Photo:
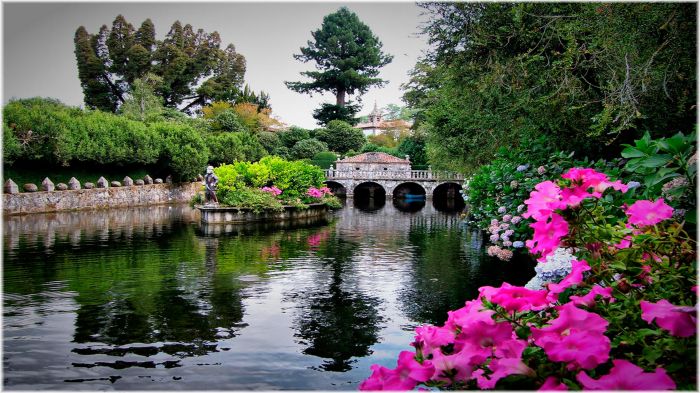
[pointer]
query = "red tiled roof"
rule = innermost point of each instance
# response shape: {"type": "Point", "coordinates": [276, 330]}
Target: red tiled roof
{"type": "Point", "coordinates": [373, 157]}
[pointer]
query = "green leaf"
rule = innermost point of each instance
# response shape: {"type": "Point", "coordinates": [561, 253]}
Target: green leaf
{"type": "Point", "coordinates": [632, 152]}
{"type": "Point", "coordinates": [651, 354]}
{"type": "Point", "coordinates": [656, 161]}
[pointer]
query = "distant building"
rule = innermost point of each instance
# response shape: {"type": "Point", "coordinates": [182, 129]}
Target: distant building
{"type": "Point", "coordinates": [376, 125]}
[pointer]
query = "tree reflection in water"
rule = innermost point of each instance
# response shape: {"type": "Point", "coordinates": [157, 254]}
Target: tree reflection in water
{"type": "Point", "coordinates": [337, 321]}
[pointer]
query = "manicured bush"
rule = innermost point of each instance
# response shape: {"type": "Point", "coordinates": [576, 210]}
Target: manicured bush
{"type": "Point", "coordinates": [324, 159]}
{"type": "Point", "coordinates": [251, 148]}
{"type": "Point", "coordinates": [270, 141]}
{"type": "Point", "coordinates": [224, 147]}
{"type": "Point", "coordinates": [340, 136]}
{"type": "Point", "coordinates": [227, 121]}
{"type": "Point", "coordinates": [184, 150]}
{"type": "Point", "coordinates": [293, 135]}
{"type": "Point", "coordinates": [308, 148]}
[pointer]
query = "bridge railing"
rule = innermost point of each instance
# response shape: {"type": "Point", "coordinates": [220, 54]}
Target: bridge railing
{"type": "Point", "coordinates": [393, 175]}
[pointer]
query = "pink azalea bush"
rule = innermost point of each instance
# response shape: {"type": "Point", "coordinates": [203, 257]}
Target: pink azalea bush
{"type": "Point", "coordinates": [272, 190]}
{"type": "Point", "coordinates": [624, 318]}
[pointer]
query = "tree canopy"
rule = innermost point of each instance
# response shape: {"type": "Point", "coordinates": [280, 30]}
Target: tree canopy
{"type": "Point", "coordinates": [587, 75]}
{"type": "Point", "coordinates": [193, 69]}
{"type": "Point", "coordinates": [347, 56]}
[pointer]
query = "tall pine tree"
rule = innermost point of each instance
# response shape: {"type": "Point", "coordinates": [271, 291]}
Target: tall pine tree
{"type": "Point", "coordinates": [348, 57]}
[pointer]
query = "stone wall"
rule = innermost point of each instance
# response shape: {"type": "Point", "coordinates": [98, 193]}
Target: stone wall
{"type": "Point", "coordinates": [98, 198]}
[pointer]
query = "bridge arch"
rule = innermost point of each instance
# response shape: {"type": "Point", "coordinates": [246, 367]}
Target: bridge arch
{"type": "Point", "coordinates": [369, 189]}
{"type": "Point", "coordinates": [401, 190]}
{"type": "Point", "coordinates": [446, 196]}
{"type": "Point", "coordinates": [337, 188]}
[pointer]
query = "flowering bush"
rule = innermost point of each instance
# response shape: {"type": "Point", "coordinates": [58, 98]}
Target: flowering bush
{"type": "Point", "coordinates": [495, 196]}
{"type": "Point", "coordinates": [622, 317]}
{"type": "Point", "coordinates": [271, 183]}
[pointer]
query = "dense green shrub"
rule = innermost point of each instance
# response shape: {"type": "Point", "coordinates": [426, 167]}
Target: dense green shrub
{"type": "Point", "coordinates": [370, 147]}
{"type": "Point", "coordinates": [270, 141]}
{"type": "Point", "coordinates": [227, 121]}
{"type": "Point", "coordinates": [341, 136]}
{"type": "Point", "coordinates": [308, 148]}
{"type": "Point", "coordinates": [251, 148]}
{"type": "Point", "coordinates": [253, 198]}
{"type": "Point", "coordinates": [324, 159]}
{"type": "Point", "coordinates": [224, 148]}
{"type": "Point", "coordinates": [11, 148]}
{"type": "Point", "coordinates": [290, 137]}
{"type": "Point", "coordinates": [292, 178]}
{"type": "Point", "coordinates": [184, 150]}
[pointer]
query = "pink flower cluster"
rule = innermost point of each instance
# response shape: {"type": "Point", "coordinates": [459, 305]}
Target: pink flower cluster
{"type": "Point", "coordinates": [318, 192]}
{"type": "Point", "coordinates": [500, 253]}
{"type": "Point", "coordinates": [547, 198]}
{"type": "Point", "coordinates": [473, 346]}
{"type": "Point", "coordinates": [272, 190]}
{"type": "Point", "coordinates": [478, 343]}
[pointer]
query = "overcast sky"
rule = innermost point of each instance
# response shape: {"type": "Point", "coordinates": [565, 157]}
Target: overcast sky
{"type": "Point", "coordinates": [38, 57]}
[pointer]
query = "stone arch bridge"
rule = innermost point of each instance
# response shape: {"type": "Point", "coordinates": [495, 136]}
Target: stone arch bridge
{"type": "Point", "coordinates": [394, 183]}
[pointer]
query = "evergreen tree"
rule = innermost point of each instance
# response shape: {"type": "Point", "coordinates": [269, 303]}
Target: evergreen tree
{"type": "Point", "coordinates": [347, 56]}
{"type": "Point", "coordinates": [193, 69]}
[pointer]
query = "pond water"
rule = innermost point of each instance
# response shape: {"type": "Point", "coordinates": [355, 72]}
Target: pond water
{"type": "Point", "coordinates": [147, 299]}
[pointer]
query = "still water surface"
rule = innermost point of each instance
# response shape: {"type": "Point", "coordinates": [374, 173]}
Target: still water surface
{"type": "Point", "coordinates": [147, 299]}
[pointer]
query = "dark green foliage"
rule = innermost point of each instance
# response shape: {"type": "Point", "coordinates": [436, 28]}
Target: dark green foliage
{"type": "Point", "coordinates": [307, 148]}
{"type": "Point", "coordinates": [194, 70]}
{"type": "Point", "coordinates": [11, 148]}
{"type": "Point", "coordinates": [587, 75]}
{"type": "Point", "coordinates": [183, 150]}
{"type": "Point", "coordinates": [290, 137]}
{"type": "Point", "coordinates": [251, 148]}
{"type": "Point", "coordinates": [53, 132]}
{"type": "Point", "coordinates": [329, 112]}
{"type": "Point", "coordinates": [224, 148]}
{"type": "Point", "coordinates": [227, 121]}
{"type": "Point", "coordinates": [414, 147]}
{"type": "Point", "coordinates": [341, 137]}
{"type": "Point", "coordinates": [324, 159]}
{"type": "Point", "coordinates": [270, 141]}
{"type": "Point", "coordinates": [370, 147]}
{"type": "Point", "coordinates": [347, 57]}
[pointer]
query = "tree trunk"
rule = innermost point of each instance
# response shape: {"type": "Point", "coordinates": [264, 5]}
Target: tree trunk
{"type": "Point", "coordinates": [340, 97]}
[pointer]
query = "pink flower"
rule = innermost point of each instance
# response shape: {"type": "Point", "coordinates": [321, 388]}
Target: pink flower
{"type": "Point", "coordinates": [571, 319]}
{"type": "Point", "coordinates": [325, 190]}
{"type": "Point", "coordinates": [482, 338]}
{"type": "Point", "coordinates": [547, 236]}
{"type": "Point", "coordinates": [502, 368]}
{"type": "Point", "coordinates": [580, 349]}
{"type": "Point", "coordinates": [627, 376]}
{"type": "Point", "coordinates": [514, 298]}
{"type": "Point", "coordinates": [680, 321]}
{"type": "Point", "coordinates": [430, 337]}
{"type": "Point", "coordinates": [409, 368]}
{"type": "Point", "coordinates": [383, 378]}
{"type": "Point", "coordinates": [644, 212]}
{"type": "Point", "coordinates": [543, 201]}
{"type": "Point", "coordinates": [272, 190]}
{"type": "Point", "coordinates": [626, 242]}
{"type": "Point", "coordinates": [573, 278]}
{"type": "Point", "coordinates": [471, 313]}
{"type": "Point", "coordinates": [588, 300]}
{"type": "Point", "coordinates": [314, 192]}
{"type": "Point", "coordinates": [457, 366]}
{"type": "Point", "coordinates": [551, 383]}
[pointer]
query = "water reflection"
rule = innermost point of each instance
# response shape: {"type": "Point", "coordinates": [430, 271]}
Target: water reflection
{"type": "Point", "coordinates": [336, 321]}
{"type": "Point", "coordinates": [150, 299]}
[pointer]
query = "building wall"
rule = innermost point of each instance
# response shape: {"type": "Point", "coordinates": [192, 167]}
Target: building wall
{"type": "Point", "coordinates": [98, 198]}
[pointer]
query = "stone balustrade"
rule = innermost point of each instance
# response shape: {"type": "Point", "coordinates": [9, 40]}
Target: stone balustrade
{"type": "Point", "coordinates": [103, 195]}
{"type": "Point", "coordinates": [394, 175]}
